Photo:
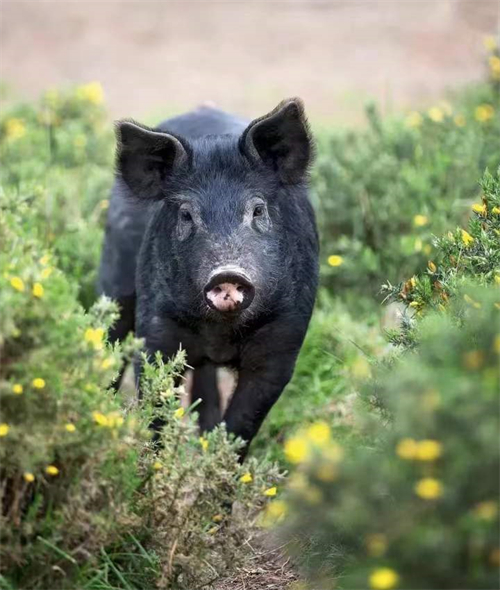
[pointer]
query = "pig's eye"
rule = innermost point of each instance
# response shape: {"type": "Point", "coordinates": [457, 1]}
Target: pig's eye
{"type": "Point", "coordinates": [258, 211]}
{"type": "Point", "coordinates": [185, 215]}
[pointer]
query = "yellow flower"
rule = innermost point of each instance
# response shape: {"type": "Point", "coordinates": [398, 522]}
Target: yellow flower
{"type": "Point", "coordinates": [29, 477]}
{"type": "Point", "coordinates": [435, 114]}
{"type": "Point", "coordinates": [203, 443]}
{"type": "Point", "coordinates": [420, 220]}
{"type": "Point", "coordinates": [459, 120]}
{"type": "Point", "coordinates": [44, 260]}
{"type": "Point", "coordinates": [46, 272]}
{"type": "Point", "coordinates": [104, 204]}
{"type": "Point", "coordinates": [100, 418]}
{"type": "Point", "coordinates": [335, 260]}
{"type": "Point", "coordinates": [473, 360]}
{"type": "Point", "coordinates": [486, 510]}
{"type": "Point", "coordinates": [17, 283]}
{"type": "Point", "coordinates": [179, 413]}
{"type": "Point", "coordinates": [376, 545]}
{"type": "Point", "coordinates": [38, 383]}
{"type": "Point", "coordinates": [94, 337]}
{"type": "Point", "coordinates": [107, 362]}
{"type": "Point", "coordinates": [38, 290]}
{"type": "Point", "coordinates": [427, 249]}
{"type": "Point", "coordinates": [484, 112]}
{"type": "Point", "coordinates": [407, 448]}
{"type": "Point", "coordinates": [496, 210]}
{"type": "Point", "coordinates": [15, 129]}
{"type": "Point", "coordinates": [383, 578]}
{"type": "Point", "coordinates": [17, 388]}
{"type": "Point", "coordinates": [361, 368]}
{"type": "Point", "coordinates": [467, 239]}
{"type": "Point", "coordinates": [490, 43]}
{"type": "Point", "coordinates": [275, 511]}
{"type": "Point", "coordinates": [51, 470]}
{"type": "Point", "coordinates": [157, 466]}
{"type": "Point", "coordinates": [213, 530]}
{"type": "Point", "coordinates": [418, 245]}
{"type": "Point", "coordinates": [494, 62]}
{"type": "Point", "coordinates": [296, 449]}
{"type": "Point", "coordinates": [218, 518]}
{"type": "Point", "coordinates": [326, 472]}
{"type": "Point", "coordinates": [333, 452]}
{"type": "Point", "coordinates": [91, 92]}
{"type": "Point", "coordinates": [69, 427]}
{"type": "Point", "coordinates": [471, 301]}
{"type": "Point", "coordinates": [479, 209]}
{"type": "Point", "coordinates": [115, 420]}
{"type": "Point", "coordinates": [4, 429]}
{"type": "Point", "coordinates": [429, 488]}
{"type": "Point", "coordinates": [431, 266]}
{"type": "Point", "coordinates": [319, 433]}
{"type": "Point", "coordinates": [246, 477]}
{"type": "Point", "coordinates": [414, 120]}
{"type": "Point", "coordinates": [428, 450]}
{"type": "Point", "coordinates": [270, 492]}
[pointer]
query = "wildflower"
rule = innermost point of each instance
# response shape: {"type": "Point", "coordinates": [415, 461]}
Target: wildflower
{"type": "Point", "coordinates": [496, 210]}
{"type": "Point", "coordinates": [420, 220]}
{"type": "Point", "coordinates": [426, 249]}
{"type": "Point", "coordinates": [213, 530]}
{"type": "Point", "coordinates": [494, 62]}
{"type": "Point", "coordinates": [471, 301]}
{"type": "Point", "coordinates": [428, 450]}
{"type": "Point", "coordinates": [319, 433]}
{"type": "Point", "coordinates": [435, 114]}
{"type": "Point", "coordinates": [38, 290]}
{"type": "Point", "coordinates": [28, 477]}
{"type": "Point", "coordinates": [100, 418]}
{"type": "Point", "coordinates": [115, 420]}
{"type": "Point", "coordinates": [17, 283]}
{"type": "Point", "coordinates": [484, 113]}
{"type": "Point", "coordinates": [203, 443]}
{"type": "Point", "coordinates": [429, 488]}
{"type": "Point", "coordinates": [46, 272]}
{"type": "Point", "coordinates": [4, 429]}
{"type": "Point", "coordinates": [217, 518]}
{"type": "Point", "coordinates": [413, 282]}
{"type": "Point", "coordinates": [104, 204]}
{"type": "Point", "coordinates": [15, 129]}
{"type": "Point", "coordinates": [157, 466]}
{"type": "Point", "coordinates": [414, 120]}
{"type": "Point", "coordinates": [91, 92]}
{"type": "Point", "coordinates": [467, 239]}
{"type": "Point", "coordinates": [376, 544]}
{"type": "Point", "coordinates": [270, 492]}
{"type": "Point", "coordinates": [51, 470]}
{"type": "Point", "coordinates": [383, 578]}
{"type": "Point", "coordinates": [459, 120]}
{"type": "Point", "coordinates": [414, 304]}
{"type": "Point", "coordinates": [490, 43]}
{"type": "Point", "coordinates": [473, 360]}
{"type": "Point", "coordinates": [44, 260]}
{"type": "Point", "coordinates": [431, 266]}
{"type": "Point", "coordinates": [179, 413]}
{"type": "Point", "coordinates": [335, 260]}
{"type": "Point", "coordinates": [94, 337]}
{"type": "Point", "coordinates": [479, 209]}
{"type": "Point", "coordinates": [69, 427]}
{"type": "Point", "coordinates": [246, 478]}
{"type": "Point", "coordinates": [418, 245]}
{"type": "Point", "coordinates": [107, 362]}
{"type": "Point", "coordinates": [296, 449]}
{"type": "Point", "coordinates": [17, 388]}
{"type": "Point", "coordinates": [276, 511]}
{"type": "Point", "coordinates": [486, 510]}
{"type": "Point", "coordinates": [38, 383]}
{"type": "Point", "coordinates": [407, 448]}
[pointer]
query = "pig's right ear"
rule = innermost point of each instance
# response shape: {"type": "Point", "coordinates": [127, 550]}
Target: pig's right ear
{"type": "Point", "coordinates": [146, 158]}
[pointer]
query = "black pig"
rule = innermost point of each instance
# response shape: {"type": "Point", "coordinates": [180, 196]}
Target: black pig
{"type": "Point", "coordinates": [223, 258]}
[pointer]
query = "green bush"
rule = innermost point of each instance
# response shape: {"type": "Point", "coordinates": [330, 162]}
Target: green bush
{"type": "Point", "coordinates": [382, 192]}
{"type": "Point", "coordinates": [86, 499]}
{"type": "Point", "coordinates": [418, 506]}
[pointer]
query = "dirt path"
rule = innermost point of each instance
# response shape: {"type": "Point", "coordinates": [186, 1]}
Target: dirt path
{"type": "Point", "coordinates": [246, 56]}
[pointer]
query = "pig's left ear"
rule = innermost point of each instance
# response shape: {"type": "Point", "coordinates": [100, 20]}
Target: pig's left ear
{"type": "Point", "coordinates": [281, 140]}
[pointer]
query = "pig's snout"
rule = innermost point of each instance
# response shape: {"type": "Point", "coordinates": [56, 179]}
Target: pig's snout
{"type": "Point", "coordinates": [229, 291]}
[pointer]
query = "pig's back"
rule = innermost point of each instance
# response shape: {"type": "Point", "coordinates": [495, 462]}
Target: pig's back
{"type": "Point", "coordinates": [127, 220]}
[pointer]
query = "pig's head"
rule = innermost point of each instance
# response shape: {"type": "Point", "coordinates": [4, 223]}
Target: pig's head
{"type": "Point", "coordinates": [225, 209]}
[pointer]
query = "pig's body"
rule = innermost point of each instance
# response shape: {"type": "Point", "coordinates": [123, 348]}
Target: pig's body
{"type": "Point", "coordinates": [221, 259]}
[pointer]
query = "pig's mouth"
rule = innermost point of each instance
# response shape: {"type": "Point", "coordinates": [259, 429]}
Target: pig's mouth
{"type": "Point", "coordinates": [229, 292]}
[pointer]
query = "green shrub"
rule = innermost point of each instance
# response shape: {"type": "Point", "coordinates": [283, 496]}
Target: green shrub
{"type": "Point", "coordinates": [87, 500]}
{"type": "Point", "coordinates": [382, 192]}
{"type": "Point", "coordinates": [418, 506]}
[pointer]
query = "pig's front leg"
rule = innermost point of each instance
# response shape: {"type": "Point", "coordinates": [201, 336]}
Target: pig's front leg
{"type": "Point", "coordinates": [263, 375]}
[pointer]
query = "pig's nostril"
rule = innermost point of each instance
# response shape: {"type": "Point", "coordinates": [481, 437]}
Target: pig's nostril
{"type": "Point", "coordinates": [241, 288]}
{"type": "Point", "coordinates": [216, 289]}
